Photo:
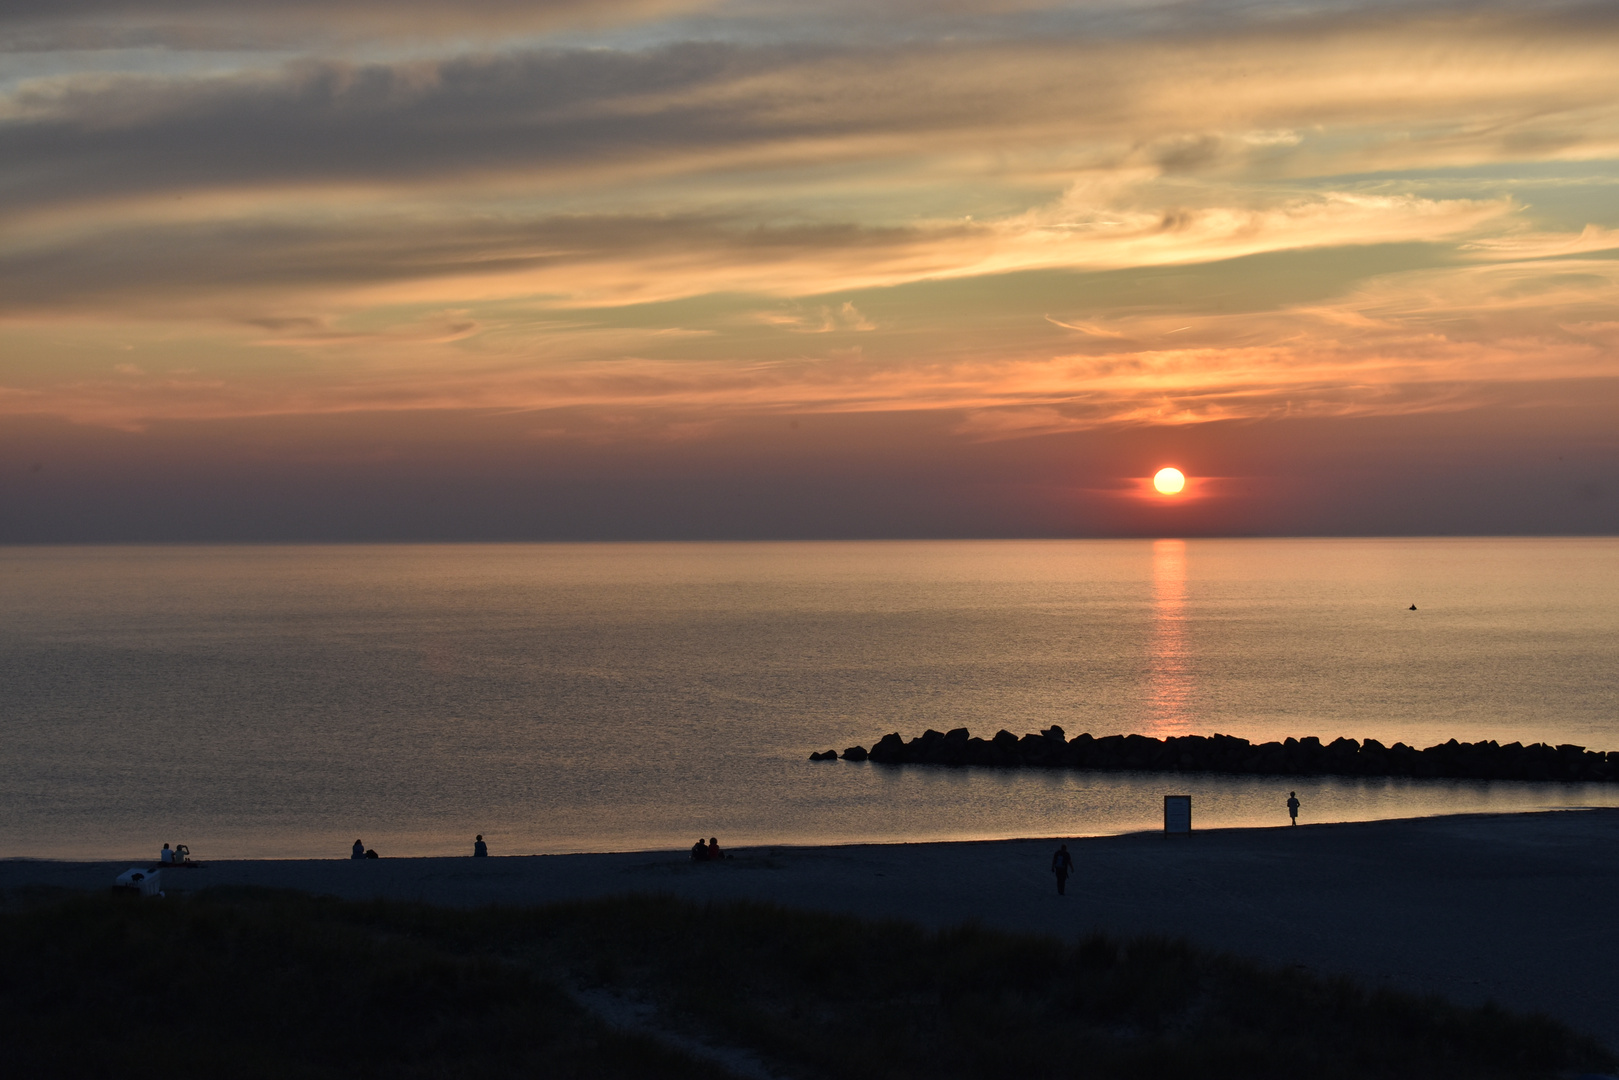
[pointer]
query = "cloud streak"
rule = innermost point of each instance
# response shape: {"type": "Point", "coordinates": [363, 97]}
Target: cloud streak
{"type": "Point", "coordinates": [1402, 344]}
{"type": "Point", "coordinates": [190, 266]}
{"type": "Point", "coordinates": [254, 25]}
{"type": "Point", "coordinates": [1275, 104]}
{"type": "Point", "coordinates": [729, 210]}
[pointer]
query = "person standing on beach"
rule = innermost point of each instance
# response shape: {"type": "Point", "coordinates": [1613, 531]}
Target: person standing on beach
{"type": "Point", "coordinates": [480, 850]}
{"type": "Point", "coordinates": [1062, 864]}
{"type": "Point", "coordinates": [1293, 806]}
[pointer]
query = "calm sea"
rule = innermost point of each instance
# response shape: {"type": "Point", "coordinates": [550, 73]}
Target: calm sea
{"type": "Point", "coordinates": [281, 701]}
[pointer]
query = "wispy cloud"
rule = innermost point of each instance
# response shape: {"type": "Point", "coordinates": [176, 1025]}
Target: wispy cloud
{"type": "Point", "coordinates": [419, 205]}
{"type": "Point", "coordinates": [77, 25]}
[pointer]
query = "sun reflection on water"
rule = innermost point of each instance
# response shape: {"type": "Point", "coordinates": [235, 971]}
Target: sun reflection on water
{"type": "Point", "coordinates": [1169, 676]}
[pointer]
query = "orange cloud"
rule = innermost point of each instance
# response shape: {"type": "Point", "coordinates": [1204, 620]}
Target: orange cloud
{"type": "Point", "coordinates": [785, 221]}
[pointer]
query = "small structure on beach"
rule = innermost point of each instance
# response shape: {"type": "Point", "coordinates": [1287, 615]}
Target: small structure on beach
{"type": "Point", "coordinates": [1178, 814]}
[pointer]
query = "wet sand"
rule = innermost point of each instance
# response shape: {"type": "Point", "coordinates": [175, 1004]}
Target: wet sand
{"type": "Point", "coordinates": [1522, 909]}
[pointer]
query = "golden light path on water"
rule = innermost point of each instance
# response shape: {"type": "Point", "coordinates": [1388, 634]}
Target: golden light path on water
{"type": "Point", "coordinates": [1169, 677]}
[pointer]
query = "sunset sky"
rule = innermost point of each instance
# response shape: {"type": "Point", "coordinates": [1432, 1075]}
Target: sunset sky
{"type": "Point", "coordinates": [750, 268]}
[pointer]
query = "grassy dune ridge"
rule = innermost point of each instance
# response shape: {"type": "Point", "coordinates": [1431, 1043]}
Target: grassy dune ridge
{"type": "Point", "coordinates": [260, 983]}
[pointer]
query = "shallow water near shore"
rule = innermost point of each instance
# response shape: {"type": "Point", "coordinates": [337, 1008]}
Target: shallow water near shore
{"type": "Point", "coordinates": [280, 701]}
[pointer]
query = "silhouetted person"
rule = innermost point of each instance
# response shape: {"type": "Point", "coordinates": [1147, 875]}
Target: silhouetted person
{"type": "Point", "coordinates": [1293, 806]}
{"type": "Point", "coordinates": [359, 851]}
{"type": "Point", "coordinates": [165, 856]}
{"type": "Point", "coordinates": [480, 850]}
{"type": "Point", "coordinates": [714, 850]}
{"type": "Point", "coordinates": [699, 851]}
{"type": "Point", "coordinates": [370, 853]}
{"type": "Point", "coordinates": [1062, 864]}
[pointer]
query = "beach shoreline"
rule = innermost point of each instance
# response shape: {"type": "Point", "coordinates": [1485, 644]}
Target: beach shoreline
{"type": "Point", "coordinates": [1512, 908]}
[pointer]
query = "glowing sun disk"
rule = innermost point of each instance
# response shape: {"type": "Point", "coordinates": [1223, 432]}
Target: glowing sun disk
{"type": "Point", "coordinates": [1169, 481]}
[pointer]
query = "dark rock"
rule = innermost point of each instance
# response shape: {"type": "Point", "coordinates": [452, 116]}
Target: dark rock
{"type": "Point", "coordinates": [1401, 759]}
{"type": "Point", "coordinates": [1034, 749]}
{"type": "Point", "coordinates": [1139, 751]}
{"type": "Point", "coordinates": [980, 752]}
{"type": "Point", "coordinates": [1077, 753]}
{"type": "Point", "coordinates": [1005, 745]}
{"type": "Point", "coordinates": [890, 749]}
{"type": "Point", "coordinates": [933, 747]}
{"type": "Point", "coordinates": [953, 749]}
{"type": "Point", "coordinates": [1108, 753]}
{"type": "Point", "coordinates": [1225, 753]}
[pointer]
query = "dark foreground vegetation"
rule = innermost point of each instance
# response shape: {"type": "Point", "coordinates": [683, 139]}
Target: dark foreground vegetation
{"type": "Point", "coordinates": [262, 984]}
{"type": "Point", "coordinates": [1228, 754]}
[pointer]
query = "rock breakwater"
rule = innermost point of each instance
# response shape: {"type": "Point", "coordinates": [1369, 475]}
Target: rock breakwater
{"type": "Point", "coordinates": [1051, 748]}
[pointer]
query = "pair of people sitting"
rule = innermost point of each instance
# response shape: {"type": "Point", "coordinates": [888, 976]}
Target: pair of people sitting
{"type": "Point", "coordinates": [179, 856]}
{"type": "Point", "coordinates": [362, 852]}
{"type": "Point", "coordinates": [709, 852]}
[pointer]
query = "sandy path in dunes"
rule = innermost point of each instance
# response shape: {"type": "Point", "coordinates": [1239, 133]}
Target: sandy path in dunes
{"type": "Point", "coordinates": [1522, 909]}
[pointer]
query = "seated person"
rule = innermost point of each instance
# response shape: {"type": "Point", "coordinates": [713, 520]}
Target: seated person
{"type": "Point", "coordinates": [371, 854]}
{"type": "Point", "coordinates": [480, 850]}
{"type": "Point", "coordinates": [359, 851]}
{"type": "Point", "coordinates": [699, 851]}
{"type": "Point", "coordinates": [714, 850]}
{"type": "Point", "coordinates": [166, 857]}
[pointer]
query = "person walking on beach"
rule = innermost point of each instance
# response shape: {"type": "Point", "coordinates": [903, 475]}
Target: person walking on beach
{"type": "Point", "coordinates": [480, 850]}
{"type": "Point", "coordinates": [1293, 806]}
{"type": "Point", "coordinates": [1062, 864]}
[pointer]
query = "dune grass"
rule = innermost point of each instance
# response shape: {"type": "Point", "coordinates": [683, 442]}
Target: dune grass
{"type": "Point", "coordinates": [251, 986]}
{"type": "Point", "coordinates": [254, 983]}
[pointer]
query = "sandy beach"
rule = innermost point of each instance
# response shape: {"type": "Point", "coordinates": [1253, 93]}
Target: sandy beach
{"type": "Point", "coordinates": [1519, 909]}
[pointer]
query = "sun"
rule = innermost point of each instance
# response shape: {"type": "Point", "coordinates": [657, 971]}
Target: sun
{"type": "Point", "coordinates": [1169, 481]}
